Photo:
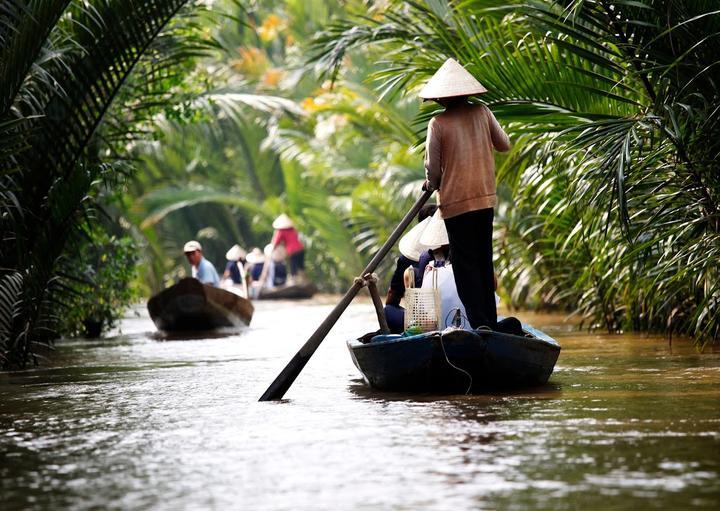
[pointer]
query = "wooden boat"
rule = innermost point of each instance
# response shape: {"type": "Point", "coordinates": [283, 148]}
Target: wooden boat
{"type": "Point", "coordinates": [291, 292]}
{"type": "Point", "coordinates": [455, 360]}
{"type": "Point", "coordinates": [190, 306]}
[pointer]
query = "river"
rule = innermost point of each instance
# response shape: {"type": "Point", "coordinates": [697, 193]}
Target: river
{"type": "Point", "coordinates": [136, 422]}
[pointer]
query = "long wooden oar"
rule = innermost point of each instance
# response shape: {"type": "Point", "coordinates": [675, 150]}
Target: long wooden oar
{"type": "Point", "coordinates": [287, 376]}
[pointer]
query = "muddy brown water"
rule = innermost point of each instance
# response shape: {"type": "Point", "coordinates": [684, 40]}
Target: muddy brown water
{"type": "Point", "coordinates": [137, 422]}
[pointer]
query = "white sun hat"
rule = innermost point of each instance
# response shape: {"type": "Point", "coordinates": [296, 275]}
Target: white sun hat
{"type": "Point", "coordinates": [282, 222]}
{"type": "Point", "coordinates": [235, 253]}
{"type": "Point", "coordinates": [435, 233]}
{"type": "Point", "coordinates": [278, 254]}
{"type": "Point", "coordinates": [192, 246]}
{"type": "Point", "coordinates": [255, 256]}
{"type": "Point", "coordinates": [451, 80]}
{"type": "Point", "coordinates": [410, 245]}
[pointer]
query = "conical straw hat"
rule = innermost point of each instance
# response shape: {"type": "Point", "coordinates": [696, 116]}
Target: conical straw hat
{"type": "Point", "coordinates": [282, 222]}
{"type": "Point", "coordinates": [278, 254]}
{"type": "Point", "coordinates": [451, 80]}
{"type": "Point", "coordinates": [410, 245]}
{"type": "Point", "coordinates": [235, 253]}
{"type": "Point", "coordinates": [255, 256]}
{"type": "Point", "coordinates": [435, 234]}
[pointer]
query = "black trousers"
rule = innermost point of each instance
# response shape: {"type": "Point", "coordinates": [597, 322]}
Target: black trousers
{"type": "Point", "coordinates": [471, 253]}
{"type": "Point", "coordinates": [297, 262]}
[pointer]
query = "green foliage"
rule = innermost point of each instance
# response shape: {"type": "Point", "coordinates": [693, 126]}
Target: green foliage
{"type": "Point", "coordinates": [609, 201]}
{"type": "Point", "coordinates": [267, 147]}
{"type": "Point", "coordinates": [101, 270]}
{"type": "Point", "coordinates": [610, 198]}
{"type": "Point", "coordinates": [62, 65]}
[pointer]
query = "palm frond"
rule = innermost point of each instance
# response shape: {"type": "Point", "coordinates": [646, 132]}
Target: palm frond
{"type": "Point", "coordinates": [160, 203]}
{"type": "Point", "coordinates": [613, 109]}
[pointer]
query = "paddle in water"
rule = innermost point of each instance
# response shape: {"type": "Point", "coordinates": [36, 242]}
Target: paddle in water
{"type": "Point", "coordinates": [287, 376]}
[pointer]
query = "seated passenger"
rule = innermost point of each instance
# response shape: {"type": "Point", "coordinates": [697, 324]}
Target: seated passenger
{"type": "Point", "coordinates": [234, 270]}
{"type": "Point", "coordinates": [274, 271]}
{"type": "Point", "coordinates": [411, 255]}
{"type": "Point", "coordinates": [280, 277]}
{"type": "Point", "coordinates": [452, 307]}
{"type": "Point", "coordinates": [202, 269]}
{"type": "Point", "coordinates": [255, 262]}
{"type": "Point", "coordinates": [439, 272]}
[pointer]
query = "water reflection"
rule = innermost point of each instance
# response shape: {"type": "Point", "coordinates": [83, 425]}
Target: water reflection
{"type": "Point", "coordinates": [360, 390]}
{"type": "Point", "coordinates": [218, 333]}
{"type": "Point", "coordinates": [625, 423]}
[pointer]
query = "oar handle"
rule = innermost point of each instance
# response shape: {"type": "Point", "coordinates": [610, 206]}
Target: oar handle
{"type": "Point", "coordinates": [287, 376]}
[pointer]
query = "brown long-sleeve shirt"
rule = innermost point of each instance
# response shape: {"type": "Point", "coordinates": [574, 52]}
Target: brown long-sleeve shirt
{"type": "Point", "coordinates": [459, 158]}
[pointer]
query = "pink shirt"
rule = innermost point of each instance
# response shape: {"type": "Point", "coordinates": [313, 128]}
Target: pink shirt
{"type": "Point", "coordinates": [289, 237]}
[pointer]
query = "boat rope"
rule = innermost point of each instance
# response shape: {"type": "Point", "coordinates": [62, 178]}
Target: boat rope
{"type": "Point", "coordinates": [457, 321]}
{"type": "Point", "coordinates": [467, 391]}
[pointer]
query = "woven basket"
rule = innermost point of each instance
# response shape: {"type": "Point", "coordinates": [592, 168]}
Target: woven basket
{"type": "Point", "coordinates": [423, 306]}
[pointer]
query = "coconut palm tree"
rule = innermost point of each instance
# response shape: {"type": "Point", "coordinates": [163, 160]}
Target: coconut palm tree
{"type": "Point", "coordinates": [253, 163]}
{"type": "Point", "coordinates": [613, 110]}
{"type": "Point", "coordinates": [62, 65]}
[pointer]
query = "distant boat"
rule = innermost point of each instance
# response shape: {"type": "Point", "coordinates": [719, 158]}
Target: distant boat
{"type": "Point", "coordinates": [293, 291]}
{"type": "Point", "coordinates": [190, 306]}
{"type": "Point", "coordinates": [455, 360]}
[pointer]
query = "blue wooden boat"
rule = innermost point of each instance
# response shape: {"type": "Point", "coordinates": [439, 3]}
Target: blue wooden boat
{"type": "Point", "coordinates": [455, 360]}
{"type": "Point", "coordinates": [288, 292]}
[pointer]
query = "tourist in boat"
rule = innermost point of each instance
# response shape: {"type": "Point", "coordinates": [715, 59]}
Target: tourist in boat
{"type": "Point", "coordinates": [255, 262]}
{"type": "Point", "coordinates": [431, 237]}
{"type": "Point", "coordinates": [202, 269]}
{"type": "Point", "coordinates": [459, 163]}
{"type": "Point", "coordinates": [274, 271]}
{"type": "Point", "coordinates": [279, 258]}
{"type": "Point", "coordinates": [439, 273]}
{"type": "Point", "coordinates": [234, 278]}
{"type": "Point", "coordinates": [411, 255]}
{"type": "Point", "coordinates": [286, 235]}
{"type": "Point", "coordinates": [235, 268]}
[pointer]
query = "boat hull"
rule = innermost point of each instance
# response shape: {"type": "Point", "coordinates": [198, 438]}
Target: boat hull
{"type": "Point", "coordinates": [455, 361]}
{"type": "Point", "coordinates": [190, 306]}
{"type": "Point", "coordinates": [292, 292]}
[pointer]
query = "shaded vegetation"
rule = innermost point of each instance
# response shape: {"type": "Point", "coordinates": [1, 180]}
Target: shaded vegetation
{"type": "Point", "coordinates": [101, 290]}
{"type": "Point", "coordinates": [612, 189]}
{"type": "Point", "coordinates": [173, 120]}
{"type": "Point", "coordinates": [65, 63]}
